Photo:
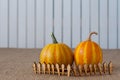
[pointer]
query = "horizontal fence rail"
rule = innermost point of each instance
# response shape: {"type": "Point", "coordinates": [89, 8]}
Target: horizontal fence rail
{"type": "Point", "coordinates": [29, 23]}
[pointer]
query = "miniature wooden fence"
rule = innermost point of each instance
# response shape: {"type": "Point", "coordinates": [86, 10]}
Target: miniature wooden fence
{"type": "Point", "coordinates": [74, 70]}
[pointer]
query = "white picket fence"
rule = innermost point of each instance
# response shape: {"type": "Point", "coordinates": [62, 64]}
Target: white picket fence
{"type": "Point", "coordinates": [29, 23]}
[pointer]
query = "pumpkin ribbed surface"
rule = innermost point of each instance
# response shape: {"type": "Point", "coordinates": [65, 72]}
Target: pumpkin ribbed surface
{"type": "Point", "coordinates": [88, 52]}
{"type": "Point", "coordinates": [56, 53]}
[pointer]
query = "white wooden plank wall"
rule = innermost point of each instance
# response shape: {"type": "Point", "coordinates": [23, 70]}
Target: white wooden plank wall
{"type": "Point", "coordinates": [22, 23]}
{"type": "Point", "coordinates": [29, 23]}
{"type": "Point", "coordinates": [103, 24]}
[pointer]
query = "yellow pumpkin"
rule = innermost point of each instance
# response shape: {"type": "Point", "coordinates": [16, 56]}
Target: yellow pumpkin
{"type": "Point", "coordinates": [58, 53]}
{"type": "Point", "coordinates": [88, 52]}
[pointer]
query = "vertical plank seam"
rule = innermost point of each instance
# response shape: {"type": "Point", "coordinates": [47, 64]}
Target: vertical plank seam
{"type": "Point", "coordinates": [17, 23]}
{"type": "Point", "coordinates": [35, 33]}
{"type": "Point", "coordinates": [71, 25]}
{"type": "Point", "coordinates": [0, 27]}
{"type": "Point", "coordinates": [99, 21]}
{"type": "Point", "coordinates": [89, 16]}
{"type": "Point", "coordinates": [8, 24]}
{"type": "Point", "coordinates": [117, 23]}
{"type": "Point", "coordinates": [43, 24]}
{"type": "Point", "coordinates": [108, 24]}
{"type": "Point", "coordinates": [26, 24]}
{"type": "Point", "coordinates": [62, 22]}
{"type": "Point", "coordinates": [44, 20]}
{"type": "Point", "coordinates": [80, 20]}
{"type": "Point", "coordinates": [53, 22]}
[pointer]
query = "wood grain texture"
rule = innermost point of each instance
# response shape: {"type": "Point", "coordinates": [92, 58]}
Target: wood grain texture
{"type": "Point", "coordinates": [94, 18]}
{"type": "Point", "coordinates": [13, 23]}
{"type": "Point", "coordinates": [58, 19]}
{"type": "Point", "coordinates": [31, 28]}
{"type": "Point", "coordinates": [103, 24]}
{"type": "Point", "coordinates": [22, 24]}
{"type": "Point", "coordinates": [4, 23]}
{"type": "Point", "coordinates": [85, 19]}
{"type": "Point", "coordinates": [112, 22]}
{"type": "Point", "coordinates": [29, 23]}
{"type": "Point", "coordinates": [67, 22]}
{"type": "Point", "coordinates": [40, 23]}
{"type": "Point", "coordinates": [118, 23]}
{"type": "Point", "coordinates": [76, 22]}
{"type": "Point", "coordinates": [48, 21]}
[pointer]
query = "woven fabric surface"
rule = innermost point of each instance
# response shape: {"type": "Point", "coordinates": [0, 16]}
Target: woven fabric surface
{"type": "Point", "coordinates": [16, 64]}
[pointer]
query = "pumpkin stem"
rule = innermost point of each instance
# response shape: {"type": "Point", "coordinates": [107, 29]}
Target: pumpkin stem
{"type": "Point", "coordinates": [53, 38]}
{"type": "Point", "coordinates": [89, 38]}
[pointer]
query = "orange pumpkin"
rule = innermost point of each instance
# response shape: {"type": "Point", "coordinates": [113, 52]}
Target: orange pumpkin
{"type": "Point", "coordinates": [88, 52]}
{"type": "Point", "coordinates": [58, 53]}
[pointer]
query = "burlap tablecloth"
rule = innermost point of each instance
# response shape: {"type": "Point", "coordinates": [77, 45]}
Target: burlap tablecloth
{"type": "Point", "coordinates": [16, 64]}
